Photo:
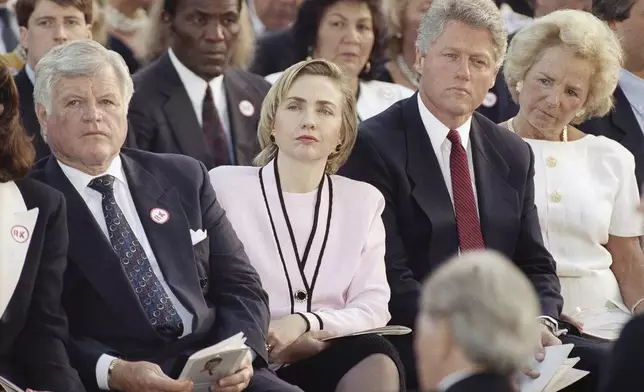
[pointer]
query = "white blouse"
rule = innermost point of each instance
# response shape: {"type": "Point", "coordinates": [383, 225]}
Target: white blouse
{"type": "Point", "coordinates": [585, 190]}
{"type": "Point", "coordinates": [351, 292]}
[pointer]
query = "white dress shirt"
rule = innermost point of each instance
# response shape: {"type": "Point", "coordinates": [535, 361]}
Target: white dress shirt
{"type": "Point", "coordinates": [196, 89]}
{"type": "Point", "coordinates": [633, 87]}
{"type": "Point", "coordinates": [442, 146]}
{"type": "Point", "coordinates": [123, 196]}
{"type": "Point", "coordinates": [30, 74]}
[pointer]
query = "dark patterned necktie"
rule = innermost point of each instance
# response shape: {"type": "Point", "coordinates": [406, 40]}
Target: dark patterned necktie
{"type": "Point", "coordinates": [152, 296]}
{"type": "Point", "coordinates": [467, 219]}
{"type": "Point", "coordinates": [8, 35]}
{"type": "Point", "coordinates": [213, 130]}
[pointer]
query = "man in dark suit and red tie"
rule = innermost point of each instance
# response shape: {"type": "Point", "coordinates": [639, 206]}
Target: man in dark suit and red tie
{"type": "Point", "coordinates": [190, 101]}
{"type": "Point", "coordinates": [454, 181]}
{"type": "Point", "coordinates": [155, 270]}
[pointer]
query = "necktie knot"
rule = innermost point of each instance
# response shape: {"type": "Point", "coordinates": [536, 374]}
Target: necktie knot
{"type": "Point", "coordinates": [454, 137]}
{"type": "Point", "coordinates": [103, 184]}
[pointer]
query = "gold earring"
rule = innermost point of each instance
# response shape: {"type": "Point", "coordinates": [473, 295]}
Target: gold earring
{"type": "Point", "coordinates": [309, 56]}
{"type": "Point", "coordinates": [367, 67]}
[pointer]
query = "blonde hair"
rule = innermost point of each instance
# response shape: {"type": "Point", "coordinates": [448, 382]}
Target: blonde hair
{"type": "Point", "coordinates": [277, 93]}
{"type": "Point", "coordinates": [472, 290]}
{"type": "Point", "coordinates": [245, 44]}
{"type": "Point", "coordinates": [590, 39]}
{"type": "Point", "coordinates": [395, 12]}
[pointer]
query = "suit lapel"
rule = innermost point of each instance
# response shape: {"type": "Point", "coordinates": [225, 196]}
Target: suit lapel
{"type": "Point", "coordinates": [181, 115]}
{"type": "Point", "coordinates": [243, 113]}
{"type": "Point", "coordinates": [170, 241]}
{"type": "Point", "coordinates": [91, 252]}
{"type": "Point", "coordinates": [498, 202]}
{"type": "Point", "coordinates": [428, 183]}
{"type": "Point", "coordinates": [624, 119]}
{"type": "Point", "coordinates": [16, 231]}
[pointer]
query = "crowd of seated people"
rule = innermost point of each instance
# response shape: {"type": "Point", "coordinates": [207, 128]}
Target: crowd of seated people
{"type": "Point", "coordinates": [174, 172]}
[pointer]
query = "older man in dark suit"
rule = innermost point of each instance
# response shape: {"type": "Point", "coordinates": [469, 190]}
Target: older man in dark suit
{"type": "Point", "coordinates": [190, 101]}
{"type": "Point", "coordinates": [453, 180]}
{"type": "Point", "coordinates": [155, 270]}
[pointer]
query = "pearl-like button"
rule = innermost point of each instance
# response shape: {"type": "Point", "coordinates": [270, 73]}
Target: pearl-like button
{"type": "Point", "coordinates": [551, 162]}
{"type": "Point", "coordinates": [555, 197]}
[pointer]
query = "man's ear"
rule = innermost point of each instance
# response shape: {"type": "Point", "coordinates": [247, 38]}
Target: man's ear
{"type": "Point", "coordinates": [89, 31]}
{"type": "Point", "coordinates": [420, 62]}
{"type": "Point", "coordinates": [23, 37]}
{"type": "Point", "coordinates": [42, 115]}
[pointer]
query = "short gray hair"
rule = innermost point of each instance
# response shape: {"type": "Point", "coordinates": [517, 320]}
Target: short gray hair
{"type": "Point", "coordinates": [78, 58]}
{"type": "Point", "coordinates": [476, 13]}
{"type": "Point", "coordinates": [490, 306]}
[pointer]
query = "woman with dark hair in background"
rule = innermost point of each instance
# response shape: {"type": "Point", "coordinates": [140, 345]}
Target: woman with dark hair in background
{"type": "Point", "coordinates": [33, 256]}
{"type": "Point", "coordinates": [351, 34]}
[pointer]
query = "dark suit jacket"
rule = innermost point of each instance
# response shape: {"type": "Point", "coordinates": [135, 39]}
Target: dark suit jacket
{"type": "Point", "coordinates": [28, 113]}
{"type": "Point", "coordinates": [164, 120]}
{"type": "Point", "coordinates": [394, 153]}
{"type": "Point", "coordinates": [274, 52]}
{"type": "Point", "coordinates": [30, 120]}
{"type": "Point", "coordinates": [33, 328]}
{"type": "Point", "coordinates": [624, 372]}
{"type": "Point", "coordinates": [213, 279]}
{"type": "Point", "coordinates": [484, 382]}
{"type": "Point", "coordinates": [621, 125]}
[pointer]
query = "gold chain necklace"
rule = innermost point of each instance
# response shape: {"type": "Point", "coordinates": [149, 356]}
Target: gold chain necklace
{"type": "Point", "coordinates": [564, 134]}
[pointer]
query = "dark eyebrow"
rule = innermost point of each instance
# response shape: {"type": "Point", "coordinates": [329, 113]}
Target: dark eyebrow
{"type": "Point", "coordinates": [319, 102]}
{"type": "Point", "coordinates": [338, 15]}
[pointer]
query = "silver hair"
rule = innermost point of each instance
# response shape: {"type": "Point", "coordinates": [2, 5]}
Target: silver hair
{"type": "Point", "coordinates": [476, 13]}
{"type": "Point", "coordinates": [490, 306]}
{"type": "Point", "coordinates": [78, 58]}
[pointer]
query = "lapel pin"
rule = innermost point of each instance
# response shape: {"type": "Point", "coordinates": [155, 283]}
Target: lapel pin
{"type": "Point", "coordinates": [159, 215]}
{"type": "Point", "coordinates": [20, 234]}
{"type": "Point", "coordinates": [246, 108]}
{"type": "Point", "coordinates": [489, 100]}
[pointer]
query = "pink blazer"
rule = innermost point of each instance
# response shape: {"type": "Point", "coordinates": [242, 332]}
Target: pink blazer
{"type": "Point", "coordinates": [351, 292]}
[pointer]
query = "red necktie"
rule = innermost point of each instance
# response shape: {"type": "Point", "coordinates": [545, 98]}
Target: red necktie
{"type": "Point", "coordinates": [214, 131]}
{"type": "Point", "coordinates": [467, 219]}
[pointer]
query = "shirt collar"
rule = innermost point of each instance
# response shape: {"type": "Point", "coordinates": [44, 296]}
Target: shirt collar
{"type": "Point", "coordinates": [30, 74]}
{"type": "Point", "coordinates": [81, 180]}
{"type": "Point", "coordinates": [438, 131]}
{"type": "Point", "coordinates": [633, 87]}
{"type": "Point", "coordinates": [194, 85]}
{"type": "Point", "coordinates": [258, 25]}
{"type": "Point", "coordinates": [451, 379]}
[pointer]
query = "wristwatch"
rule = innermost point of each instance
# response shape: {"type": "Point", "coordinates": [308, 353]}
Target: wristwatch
{"type": "Point", "coordinates": [552, 325]}
{"type": "Point", "coordinates": [109, 371]}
